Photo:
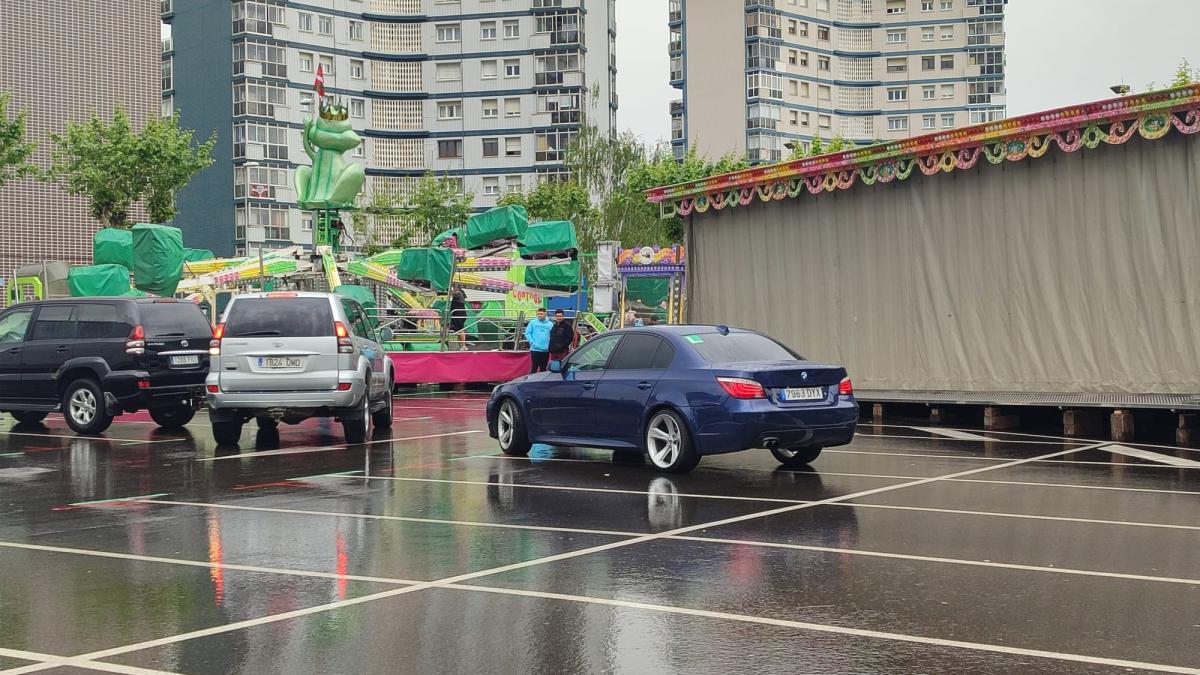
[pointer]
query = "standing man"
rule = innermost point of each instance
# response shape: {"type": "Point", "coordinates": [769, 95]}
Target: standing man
{"type": "Point", "coordinates": [538, 335]}
{"type": "Point", "coordinates": [458, 317]}
{"type": "Point", "coordinates": [562, 336]}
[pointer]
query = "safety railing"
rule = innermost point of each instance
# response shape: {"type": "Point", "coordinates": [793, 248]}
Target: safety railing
{"type": "Point", "coordinates": [422, 329]}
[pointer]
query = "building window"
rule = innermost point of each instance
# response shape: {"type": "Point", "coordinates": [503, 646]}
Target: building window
{"type": "Point", "coordinates": [168, 69]}
{"type": "Point", "coordinates": [487, 30]}
{"type": "Point", "coordinates": [897, 36]}
{"type": "Point", "coordinates": [897, 6]}
{"type": "Point", "coordinates": [487, 69]}
{"type": "Point", "coordinates": [356, 30]}
{"type": "Point", "coordinates": [927, 34]}
{"type": "Point", "coordinates": [491, 147]}
{"type": "Point", "coordinates": [450, 110]}
{"type": "Point", "coordinates": [552, 146]}
{"type": "Point", "coordinates": [823, 32]}
{"type": "Point", "coordinates": [450, 149]}
{"type": "Point", "coordinates": [305, 22]}
{"type": "Point", "coordinates": [928, 92]}
{"type": "Point", "coordinates": [824, 92]}
{"type": "Point", "coordinates": [793, 88]}
{"type": "Point", "coordinates": [947, 62]}
{"type": "Point", "coordinates": [306, 221]}
{"type": "Point", "coordinates": [325, 25]}
{"type": "Point", "coordinates": [896, 94]}
{"type": "Point", "coordinates": [824, 121]}
{"type": "Point", "coordinates": [802, 28]}
{"type": "Point", "coordinates": [259, 182]}
{"type": "Point", "coordinates": [449, 32]}
{"type": "Point", "coordinates": [926, 5]}
{"type": "Point", "coordinates": [306, 62]}
{"type": "Point", "coordinates": [947, 91]}
{"type": "Point", "coordinates": [512, 107]}
{"type": "Point", "coordinates": [491, 186]}
{"type": "Point", "coordinates": [449, 72]}
{"type": "Point", "coordinates": [929, 121]}
{"type": "Point", "coordinates": [823, 5]}
{"type": "Point", "coordinates": [512, 183]}
{"type": "Point", "coordinates": [948, 121]}
{"type": "Point", "coordinates": [792, 57]}
{"type": "Point", "coordinates": [928, 63]}
{"type": "Point", "coordinates": [791, 26]}
{"type": "Point", "coordinates": [512, 146]}
{"type": "Point", "coordinates": [512, 30]}
{"type": "Point", "coordinates": [358, 108]}
{"type": "Point", "coordinates": [793, 118]}
{"type": "Point", "coordinates": [270, 139]}
{"type": "Point", "coordinates": [357, 69]}
{"type": "Point", "coordinates": [327, 64]}
{"type": "Point", "coordinates": [823, 63]}
{"type": "Point", "coordinates": [512, 68]}
{"type": "Point", "coordinates": [897, 123]}
{"type": "Point", "coordinates": [947, 5]}
{"type": "Point", "coordinates": [947, 32]}
{"type": "Point", "coordinates": [491, 108]}
{"type": "Point", "coordinates": [805, 119]}
{"type": "Point", "coordinates": [897, 65]}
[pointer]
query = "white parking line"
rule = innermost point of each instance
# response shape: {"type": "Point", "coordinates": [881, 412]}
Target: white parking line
{"type": "Point", "coordinates": [48, 661]}
{"type": "Point", "coordinates": [996, 514]}
{"type": "Point", "coordinates": [954, 433]}
{"type": "Point", "coordinates": [859, 434]}
{"type": "Point", "coordinates": [199, 563]}
{"type": "Point", "coordinates": [1152, 456]}
{"type": "Point", "coordinates": [1014, 433]}
{"type": "Point", "coordinates": [839, 630]}
{"type": "Point", "coordinates": [301, 451]}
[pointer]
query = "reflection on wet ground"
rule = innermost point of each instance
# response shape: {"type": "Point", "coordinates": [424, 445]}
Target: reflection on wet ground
{"type": "Point", "coordinates": [915, 549]}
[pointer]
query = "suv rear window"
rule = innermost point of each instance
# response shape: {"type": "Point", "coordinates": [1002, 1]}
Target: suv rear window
{"type": "Point", "coordinates": [739, 347]}
{"type": "Point", "coordinates": [168, 319]}
{"type": "Point", "coordinates": [279, 317]}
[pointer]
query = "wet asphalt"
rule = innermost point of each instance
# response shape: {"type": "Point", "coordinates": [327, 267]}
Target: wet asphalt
{"type": "Point", "coordinates": [913, 550]}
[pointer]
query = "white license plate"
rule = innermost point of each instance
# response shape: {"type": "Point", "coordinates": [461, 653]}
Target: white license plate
{"type": "Point", "coordinates": [280, 362]}
{"type": "Point", "coordinates": [802, 394]}
{"type": "Point", "coordinates": [192, 360]}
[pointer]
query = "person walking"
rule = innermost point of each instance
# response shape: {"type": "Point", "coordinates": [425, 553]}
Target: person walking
{"type": "Point", "coordinates": [562, 336]}
{"type": "Point", "coordinates": [537, 333]}
{"type": "Point", "coordinates": [458, 317]}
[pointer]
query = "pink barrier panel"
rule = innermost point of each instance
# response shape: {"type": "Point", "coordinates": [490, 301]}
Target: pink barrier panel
{"type": "Point", "coordinates": [458, 367]}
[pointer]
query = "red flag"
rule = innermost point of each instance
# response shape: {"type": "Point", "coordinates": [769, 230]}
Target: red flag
{"type": "Point", "coordinates": [319, 85]}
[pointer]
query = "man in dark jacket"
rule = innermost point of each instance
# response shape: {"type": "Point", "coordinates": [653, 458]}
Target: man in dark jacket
{"type": "Point", "coordinates": [562, 336]}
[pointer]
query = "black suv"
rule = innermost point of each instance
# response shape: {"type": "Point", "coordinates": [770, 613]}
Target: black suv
{"type": "Point", "coordinates": [96, 358]}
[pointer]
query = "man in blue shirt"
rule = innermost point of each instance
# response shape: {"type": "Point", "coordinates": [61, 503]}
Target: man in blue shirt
{"type": "Point", "coordinates": [537, 332]}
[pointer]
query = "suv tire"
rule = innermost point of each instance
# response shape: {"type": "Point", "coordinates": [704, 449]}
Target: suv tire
{"type": "Point", "coordinates": [383, 417]}
{"type": "Point", "coordinates": [173, 418]}
{"type": "Point", "coordinates": [28, 416]}
{"type": "Point", "coordinates": [227, 432]}
{"type": "Point", "coordinates": [356, 424]}
{"type": "Point", "coordinates": [84, 408]}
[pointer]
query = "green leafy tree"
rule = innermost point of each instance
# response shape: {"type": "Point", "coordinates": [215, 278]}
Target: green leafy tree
{"type": "Point", "coordinates": [554, 200]}
{"type": "Point", "coordinates": [115, 166]}
{"type": "Point", "coordinates": [1185, 74]}
{"type": "Point", "coordinates": [366, 220]}
{"type": "Point", "coordinates": [15, 149]}
{"type": "Point", "coordinates": [434, 206]}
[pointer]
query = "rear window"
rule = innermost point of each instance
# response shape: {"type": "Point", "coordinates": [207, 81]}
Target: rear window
{"type": "Point", "coordinates": [173, 319]}
{"type": "Point", "coordinates": [739, 347]}
{"type": "Point", "coordinates": [279, 317]}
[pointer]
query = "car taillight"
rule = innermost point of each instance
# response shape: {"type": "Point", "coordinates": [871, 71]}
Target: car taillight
{"type": "Point", "coordinates": [741, 388]}
{"type": "Point", "coordinates": [846, 388]}
{"type": "Point", "coordinates": [344, 386]}
{"type": "Point", "coordinates": [213, 389]}
{"type": "Point", "coordinates": [214, 345]}
{"type": "Point", "coordinates": [345, 345]}
{"type": "Point", "coordinates": [136, 342]}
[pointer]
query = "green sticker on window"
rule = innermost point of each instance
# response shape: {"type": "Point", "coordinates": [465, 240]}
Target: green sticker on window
{"type": "Point", "coordinates": [694, 339]}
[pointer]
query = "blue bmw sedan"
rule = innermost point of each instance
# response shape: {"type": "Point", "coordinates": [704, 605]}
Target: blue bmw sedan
{"type": "Point", "coordinates": [677, 393]}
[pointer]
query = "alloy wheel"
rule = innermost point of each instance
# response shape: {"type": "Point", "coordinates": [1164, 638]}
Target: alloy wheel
{"type": "Point", "coordinates": [505, 424]}
{"type": "Point", "coordinates": [83, 407]}
{"type": "Point", "coordinates": [664, 440]}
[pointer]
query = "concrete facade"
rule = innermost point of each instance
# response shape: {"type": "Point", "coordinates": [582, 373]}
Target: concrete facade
{"type": "Point", "coordinates": [67, 60]}
{"type": "Point", "coordinates": [485, 92]}
{"type": "Point", "coordinates": [864, 70]}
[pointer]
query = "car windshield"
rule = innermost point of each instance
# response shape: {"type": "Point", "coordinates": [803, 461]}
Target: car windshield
{"type": "Point", "coordinates": [739, 348]}
{"type": "Point", "coordinates": [279, 317]}
{"type": "Point", "coordinates": [167, 319]}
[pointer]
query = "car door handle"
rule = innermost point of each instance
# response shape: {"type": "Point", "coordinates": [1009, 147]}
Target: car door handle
{"type": "Point", "coordinates": [14, 350]}
{"type": "Point", "coordinates": [62, 349]}
{"type": "Point", "coordinates": [589, 386]}
{"type": "Point", "coordinates": [644, 385]}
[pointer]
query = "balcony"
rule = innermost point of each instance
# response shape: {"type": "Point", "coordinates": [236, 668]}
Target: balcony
{"type": "Point", "coordinates": [675, 47]}
{"type": "Point", "coordinates": [677, 107]}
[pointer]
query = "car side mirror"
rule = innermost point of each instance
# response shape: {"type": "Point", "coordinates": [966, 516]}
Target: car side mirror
{"type": "Point", "coordinates": [386, 335]}
{"type": "Point", "coordinates": [556, 366]}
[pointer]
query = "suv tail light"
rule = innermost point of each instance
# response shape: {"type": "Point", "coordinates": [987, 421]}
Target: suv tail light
{"type": "Point", "coordinates": [214, 345]}
{"type": "Point", "coordinates": [345, 345]}
{"type": "Point", "coordinates": [136, 342]}
{"type": "Point", "coordinates": [846, 387]}
{"type": "Point", "coordinates": [741, 388]}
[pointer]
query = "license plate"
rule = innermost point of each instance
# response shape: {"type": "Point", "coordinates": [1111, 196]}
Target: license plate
{"type": "Point", "coordinates": [178, 361]}
{"type": "Point", "coordinates": [802, 394]}
{"type": "Point", "coordinates": [280, 362]}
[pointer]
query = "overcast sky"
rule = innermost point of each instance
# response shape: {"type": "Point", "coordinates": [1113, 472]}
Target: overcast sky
{"type": "Point", "coordinates": [1060, 52]}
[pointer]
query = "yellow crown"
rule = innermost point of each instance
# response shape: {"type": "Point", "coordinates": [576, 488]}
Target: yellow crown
{"type": "Point", "coordinates": [334, 113]}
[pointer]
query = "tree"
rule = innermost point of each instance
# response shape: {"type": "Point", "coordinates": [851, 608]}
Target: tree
{"type": "Point", "coordinates": [1185, 74]}
{"type": "Point", "coordinates": [819, 147]}
{"type": "Point", "coordinates": [116, 167]}
{"type": "Point", "coordinates": [554, 200]}
{"type": "Point", "coordinates": [15, 150]}
{"type": "Point", "coordinates": [434, 206]}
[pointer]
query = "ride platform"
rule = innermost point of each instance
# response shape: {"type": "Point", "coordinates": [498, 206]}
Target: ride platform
{"type": "Point", "coordinates": [454, 367]}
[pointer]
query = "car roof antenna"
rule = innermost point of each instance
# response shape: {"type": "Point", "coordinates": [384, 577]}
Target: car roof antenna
{"type": "Point", "coordinates": [723, 330]}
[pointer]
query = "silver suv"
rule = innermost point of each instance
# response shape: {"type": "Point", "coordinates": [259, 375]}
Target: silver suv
{"type": "Point", "coordinates": [289, 356]}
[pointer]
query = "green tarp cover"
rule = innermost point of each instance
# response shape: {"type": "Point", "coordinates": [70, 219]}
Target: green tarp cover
{"type": "Point", "coordinates": [197, 254]}
{"type": "Point", "coordinates": [649, 291]}
{"type": "Point", "coordinates": [364, 296]}
{"type": "Point", "coordinates": [503, 222]}
{"type": "Point", "coordinates": [431, 265]}
{"type": "Point", "coordinates": [112, 246]}
{"type": "Point", "coordinates": [456, 232]}
{"type": "Point", "coordinates": [157, 258]}
{"type": "Point", "coordinates": [134, 293]}
{"type": "Point", "coordinates": [564, 276]}
{"type": "Point", "coordinates": [98, 280]}
{"type": "Point", "coordinates": [552, 236]}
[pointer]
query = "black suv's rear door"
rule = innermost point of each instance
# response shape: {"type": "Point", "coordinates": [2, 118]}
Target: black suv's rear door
{"type": "Point", "coordinates": [14, 326]}
{"type": "Point", "coordinates": [51, 344]}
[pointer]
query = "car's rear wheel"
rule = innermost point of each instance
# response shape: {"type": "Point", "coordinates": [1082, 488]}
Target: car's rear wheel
{"type": "Point", "coordinates": [83, 407]}
{"type": "Point", "coordinates": [669, 445]}
{"type": "Point", "coordinates": [174, 417]}
{"type": "Point", "coordinates": [227, 432]}
{"type": "Point", "coordinates": [28, 416]}
{"type": "Point", "coordinates": [510, 430]}
{"type": "Point", "coordinates": [796, 457]}
{"type": "Point", "coordinates": [383, 417]}
{"type": "Point", "coordinates": [357, 425]}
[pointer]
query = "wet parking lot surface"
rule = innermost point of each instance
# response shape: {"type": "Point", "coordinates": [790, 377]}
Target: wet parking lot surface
{"type": "Point", "coordinates": [915, 549]}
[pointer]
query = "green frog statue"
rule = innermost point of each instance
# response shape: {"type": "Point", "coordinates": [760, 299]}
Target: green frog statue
{"type": "Point", "coordinates": [331, 182]}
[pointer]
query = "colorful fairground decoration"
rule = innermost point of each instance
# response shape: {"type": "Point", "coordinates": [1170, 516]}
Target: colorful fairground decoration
{"type": "Point", "coordinates": [652, 284]}
{"type": "Point", "coordinates": [646, 256]}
